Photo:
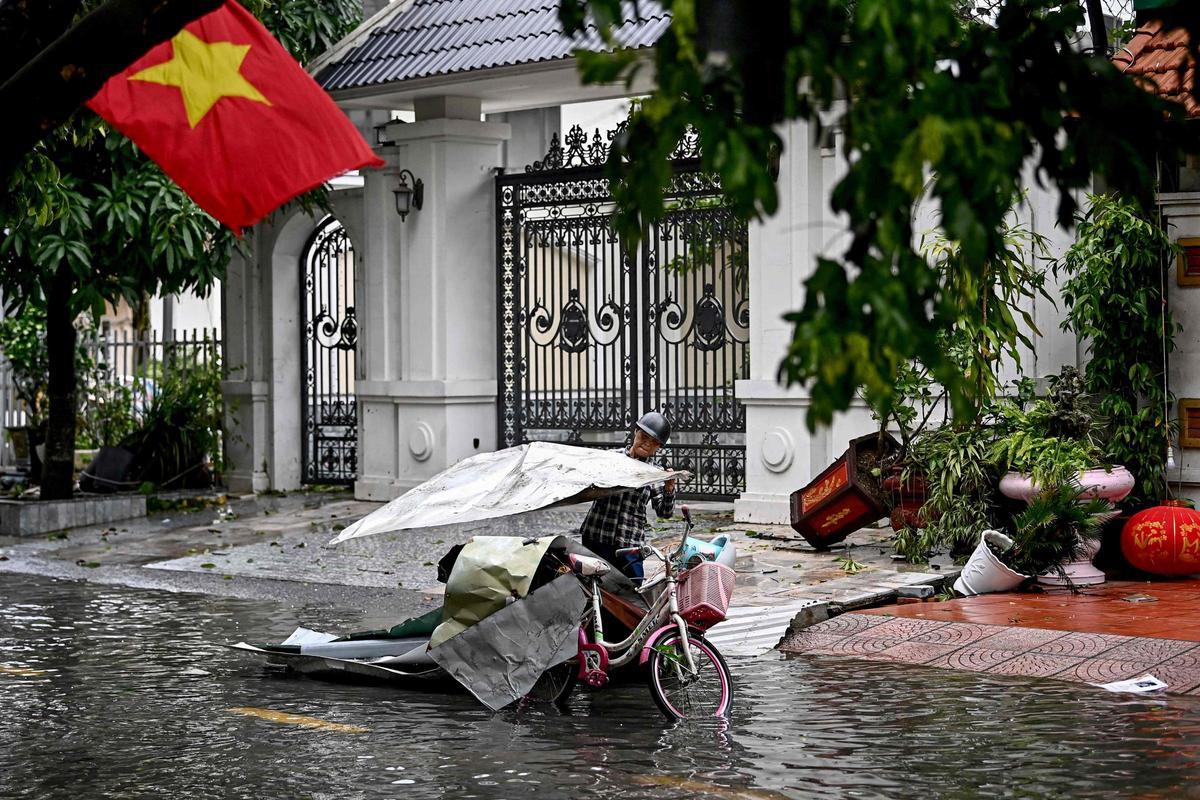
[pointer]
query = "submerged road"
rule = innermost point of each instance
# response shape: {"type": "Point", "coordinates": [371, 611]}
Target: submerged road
{"type": "Point", "coordinates": [125, 692]}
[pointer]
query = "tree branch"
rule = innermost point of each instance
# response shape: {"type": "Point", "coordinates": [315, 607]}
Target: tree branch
{"type": "Point", "coordinates": [27, 26]}
{"type": "Point", "coordinates": [64, 75]}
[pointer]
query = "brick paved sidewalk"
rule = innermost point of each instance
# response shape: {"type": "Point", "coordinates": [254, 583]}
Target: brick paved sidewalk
{"type": "Point", "coordinates": [1119, 630]}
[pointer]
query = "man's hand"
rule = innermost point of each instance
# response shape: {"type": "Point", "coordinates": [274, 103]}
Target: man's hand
{"type": "Point", "coordinates": [670, 486]}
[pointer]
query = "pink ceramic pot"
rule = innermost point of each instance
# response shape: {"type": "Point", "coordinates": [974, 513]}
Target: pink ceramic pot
{"type": "Point", "coordinates": [1112, 486]}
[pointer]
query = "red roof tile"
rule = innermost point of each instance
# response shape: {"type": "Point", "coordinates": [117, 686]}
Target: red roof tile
{"type": "Point", "coordinates": [1161, 62]}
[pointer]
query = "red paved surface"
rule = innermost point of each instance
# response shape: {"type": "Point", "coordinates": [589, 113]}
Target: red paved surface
{"type": "Point", "coordinates": [1174, 612]}
{"type": "Point", "coordinates": [1096, 636]}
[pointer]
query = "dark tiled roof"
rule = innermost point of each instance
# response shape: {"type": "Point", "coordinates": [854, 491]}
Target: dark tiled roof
{"type": "Point", "coordinates": [440, 37]}
{"type": "Point", "coordinates": [1161, 62]}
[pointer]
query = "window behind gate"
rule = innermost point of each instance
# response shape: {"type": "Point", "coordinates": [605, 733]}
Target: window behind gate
{"type": "Point", "coordinates": [592, 335]}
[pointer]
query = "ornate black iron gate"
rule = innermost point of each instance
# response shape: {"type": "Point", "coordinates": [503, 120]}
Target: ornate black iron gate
{"type": "Point", "coordinates": [592, 335]}
{"type": "Point", "coordinates": [328, 406]}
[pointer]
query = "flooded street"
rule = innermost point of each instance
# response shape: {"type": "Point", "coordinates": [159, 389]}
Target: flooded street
{"type": "Point", "coordinates": [114, 692]}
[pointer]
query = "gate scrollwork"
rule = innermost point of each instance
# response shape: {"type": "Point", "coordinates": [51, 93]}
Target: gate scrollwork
{"type": "Point", "coordinates": [592, 334]}
{"type": "Point", "coordinates": [329, 407]}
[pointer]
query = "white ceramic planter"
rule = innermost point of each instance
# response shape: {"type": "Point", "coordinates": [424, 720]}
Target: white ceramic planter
{"type": "Point", "coordinates": [984, 572]}
{"type": "Point", "coordinates": [1113, 486]}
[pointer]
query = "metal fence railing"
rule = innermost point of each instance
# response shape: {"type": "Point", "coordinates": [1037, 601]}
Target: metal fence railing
{"type": "Point", "coordinates": [139, 366]}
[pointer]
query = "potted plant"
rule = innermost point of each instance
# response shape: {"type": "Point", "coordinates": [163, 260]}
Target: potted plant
{"type": "Point", "coordinates": [907, 413]}
{"type": "Point", "coordinates": [1115, 304]}
{"type": "Point", "coordinates": [1055, 536]}
{"type": "Point", "coordinates": [847, 495]}
{"type": "Point", "coordinates": [943, 485]}
{"type": "Point", "coordinates": [1052, 442]}
{"type": "Point", "coordinates": [178, 437]}
{"type": "Point", "coordinates": [1047, 538]}
{"type": "Point", "coordinates": [962, 498]}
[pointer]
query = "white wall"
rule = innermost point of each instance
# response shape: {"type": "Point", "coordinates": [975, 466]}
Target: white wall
{"type": "Point", "coordinates": [1182, 215]}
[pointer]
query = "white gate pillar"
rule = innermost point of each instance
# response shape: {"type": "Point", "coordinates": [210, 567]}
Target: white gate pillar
{"type": "Point", "coordinates": [261, 344]}
{"type": "Point", "coordinates": [428, 394]}
{"type": "Point", "coordinates": [781, 454]}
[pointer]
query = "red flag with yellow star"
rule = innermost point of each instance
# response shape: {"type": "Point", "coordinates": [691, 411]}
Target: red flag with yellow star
{"type": "Point", "coordinates": [232, 118]}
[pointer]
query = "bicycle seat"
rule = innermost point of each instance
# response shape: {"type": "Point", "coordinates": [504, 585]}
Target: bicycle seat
{"type": "Point", "coordinates": [589, 566]}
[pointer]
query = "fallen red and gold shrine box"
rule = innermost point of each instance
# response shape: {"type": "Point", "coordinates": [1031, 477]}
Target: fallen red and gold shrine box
{"type": "Point", "coordinates": [841, 499]}
{"type": "Point", "coordinates": [1163, 540]}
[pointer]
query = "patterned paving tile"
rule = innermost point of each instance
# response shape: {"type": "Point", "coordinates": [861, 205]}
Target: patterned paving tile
{"type": "Point", "coordinates": [846, 624]}
{"type": "Point", "coordinates": [1178, 680]}
{"type": "Point", "coordinates": [1035, 665]}
{"type": "Point", "coordinates": [1186, 660]}
{"type": "Point", "coordinates": [1020, 639]}
{"type": "Point", "coordinates": [1104, 670]}
{"type": "Point", "coordinates": [807, 640]}
{"type": "Point", "coordinates": [956, 633]}
{"type": "Point", "coordinates": [1081, 645]}
{"type": "Point", "coordinates": [859, 646]}
{"type": "Point", "coordinates": [917, 652]}
{"type": "Point", "coordinates": [1150, 650]}
{"type": "Point", "coordinates": [972, 659]}
{"type": "Point", "coordinates": [902, 629]}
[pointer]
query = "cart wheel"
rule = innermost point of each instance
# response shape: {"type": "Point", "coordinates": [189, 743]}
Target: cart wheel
{"type": "Point", "coordinates": [679, 695]}
{"type": "Point", "coordinates": [556, 684]}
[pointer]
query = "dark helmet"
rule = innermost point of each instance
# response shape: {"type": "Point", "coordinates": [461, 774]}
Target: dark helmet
{"type": "Point", "coordinates": [655, 425]}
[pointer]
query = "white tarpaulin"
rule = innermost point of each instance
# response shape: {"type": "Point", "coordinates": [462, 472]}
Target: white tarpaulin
{"type": "Point", "coordinates": [507, 482]}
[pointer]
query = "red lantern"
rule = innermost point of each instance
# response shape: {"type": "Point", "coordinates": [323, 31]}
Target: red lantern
{"type": "Point", "coordinates": [1163, 540]}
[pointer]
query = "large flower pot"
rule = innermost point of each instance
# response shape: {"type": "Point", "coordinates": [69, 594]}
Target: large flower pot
{"type": "Point", "coordinates": [846, 496]}
{"type": "Point", "coordinates": [1163, 540]}
{"type": "Point", "coordinates": [984, 572]}
{"type": "Point", "coordinates": [1113, 486]}
{"type": "Point", "coordinates": [908, 498]}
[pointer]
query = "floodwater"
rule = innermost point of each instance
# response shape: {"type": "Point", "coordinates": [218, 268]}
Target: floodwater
{"type": "Point", "coordinates": [112, 692]}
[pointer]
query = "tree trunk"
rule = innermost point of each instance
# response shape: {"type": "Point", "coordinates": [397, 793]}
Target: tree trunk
{"type": "Point", "coordinates": [1095, 12]}
{"type": "Point", "coordinates": [58, 469]}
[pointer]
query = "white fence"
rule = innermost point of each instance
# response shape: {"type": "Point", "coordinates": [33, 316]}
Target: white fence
{"type": "Point", "coordinates": [138, 363]}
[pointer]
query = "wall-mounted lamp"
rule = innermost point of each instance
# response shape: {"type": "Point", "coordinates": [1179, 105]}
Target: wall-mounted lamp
{"type": "Point", "coordinates": [408, 196]}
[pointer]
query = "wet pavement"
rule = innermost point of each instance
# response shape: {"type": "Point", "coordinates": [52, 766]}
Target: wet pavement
{"type": "Point", "coordinates": [1115, 631]}
{"type": "Point", "coordinates": [118, 692]}
{"type": "Point", "coordinates": [277, 547]}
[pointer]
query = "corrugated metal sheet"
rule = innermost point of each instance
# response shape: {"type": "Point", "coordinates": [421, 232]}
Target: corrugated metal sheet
{"type": "Point", "coordinates": [443, 37]}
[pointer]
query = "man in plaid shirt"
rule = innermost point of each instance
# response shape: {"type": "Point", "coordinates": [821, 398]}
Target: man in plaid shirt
{"type": "Point", "coordinates": [619, 521]}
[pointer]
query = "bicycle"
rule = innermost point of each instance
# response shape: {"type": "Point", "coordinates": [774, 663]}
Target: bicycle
{"type": "Point", "coordinates": [688, 676]}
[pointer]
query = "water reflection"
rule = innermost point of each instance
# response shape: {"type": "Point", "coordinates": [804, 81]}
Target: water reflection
{"type": "Point", "coordinates": [129, 694]}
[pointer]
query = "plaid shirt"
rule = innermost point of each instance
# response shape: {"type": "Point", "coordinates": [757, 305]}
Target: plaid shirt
{"type": "Point", "coordinates": [619, 520]}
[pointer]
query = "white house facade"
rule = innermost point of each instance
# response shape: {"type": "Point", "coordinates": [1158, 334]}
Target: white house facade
{"type": "Point", "coordinates": [378, 349]}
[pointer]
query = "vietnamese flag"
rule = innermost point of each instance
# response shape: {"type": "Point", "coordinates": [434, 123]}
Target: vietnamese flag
{"type": "Point", "coordinates": [232, 118]}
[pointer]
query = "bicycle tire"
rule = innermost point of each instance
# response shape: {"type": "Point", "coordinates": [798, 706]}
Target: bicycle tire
{"type": "Point", "coordinates": [556, 684]}
{"type": "Point", "coordinates": [678, 703]}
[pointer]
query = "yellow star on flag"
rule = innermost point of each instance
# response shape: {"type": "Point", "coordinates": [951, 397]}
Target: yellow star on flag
{"type": "Point", "coordinates": [204, 72]}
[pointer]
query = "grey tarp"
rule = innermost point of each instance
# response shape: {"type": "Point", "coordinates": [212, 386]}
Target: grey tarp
{"type": "Point", "coordinates": [500, 658]}
{"type": "Point", "coordinates": [489, 573]}
{"type": "Point", "coordinates": [507, 482]}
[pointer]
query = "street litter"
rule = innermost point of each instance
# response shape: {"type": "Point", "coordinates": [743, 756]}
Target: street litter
{"type": "Point", "coordinates": [1143, 684]}
{"type": "Point", "coordinates": [525, 619]}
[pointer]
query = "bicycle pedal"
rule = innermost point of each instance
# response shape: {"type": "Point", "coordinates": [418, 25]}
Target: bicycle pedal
{"type": "Point", "coordinates": [595, 678]}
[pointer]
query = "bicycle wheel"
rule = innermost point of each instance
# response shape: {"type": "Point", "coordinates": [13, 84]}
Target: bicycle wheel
{"type": "Point", "coordinates": [556, 684]}
{"type": "Point", "coordinates": [681, 695]}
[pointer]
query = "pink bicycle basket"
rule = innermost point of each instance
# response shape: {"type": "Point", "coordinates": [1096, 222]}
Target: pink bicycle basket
{"type": "Point", "coordinates": [704, 592]}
